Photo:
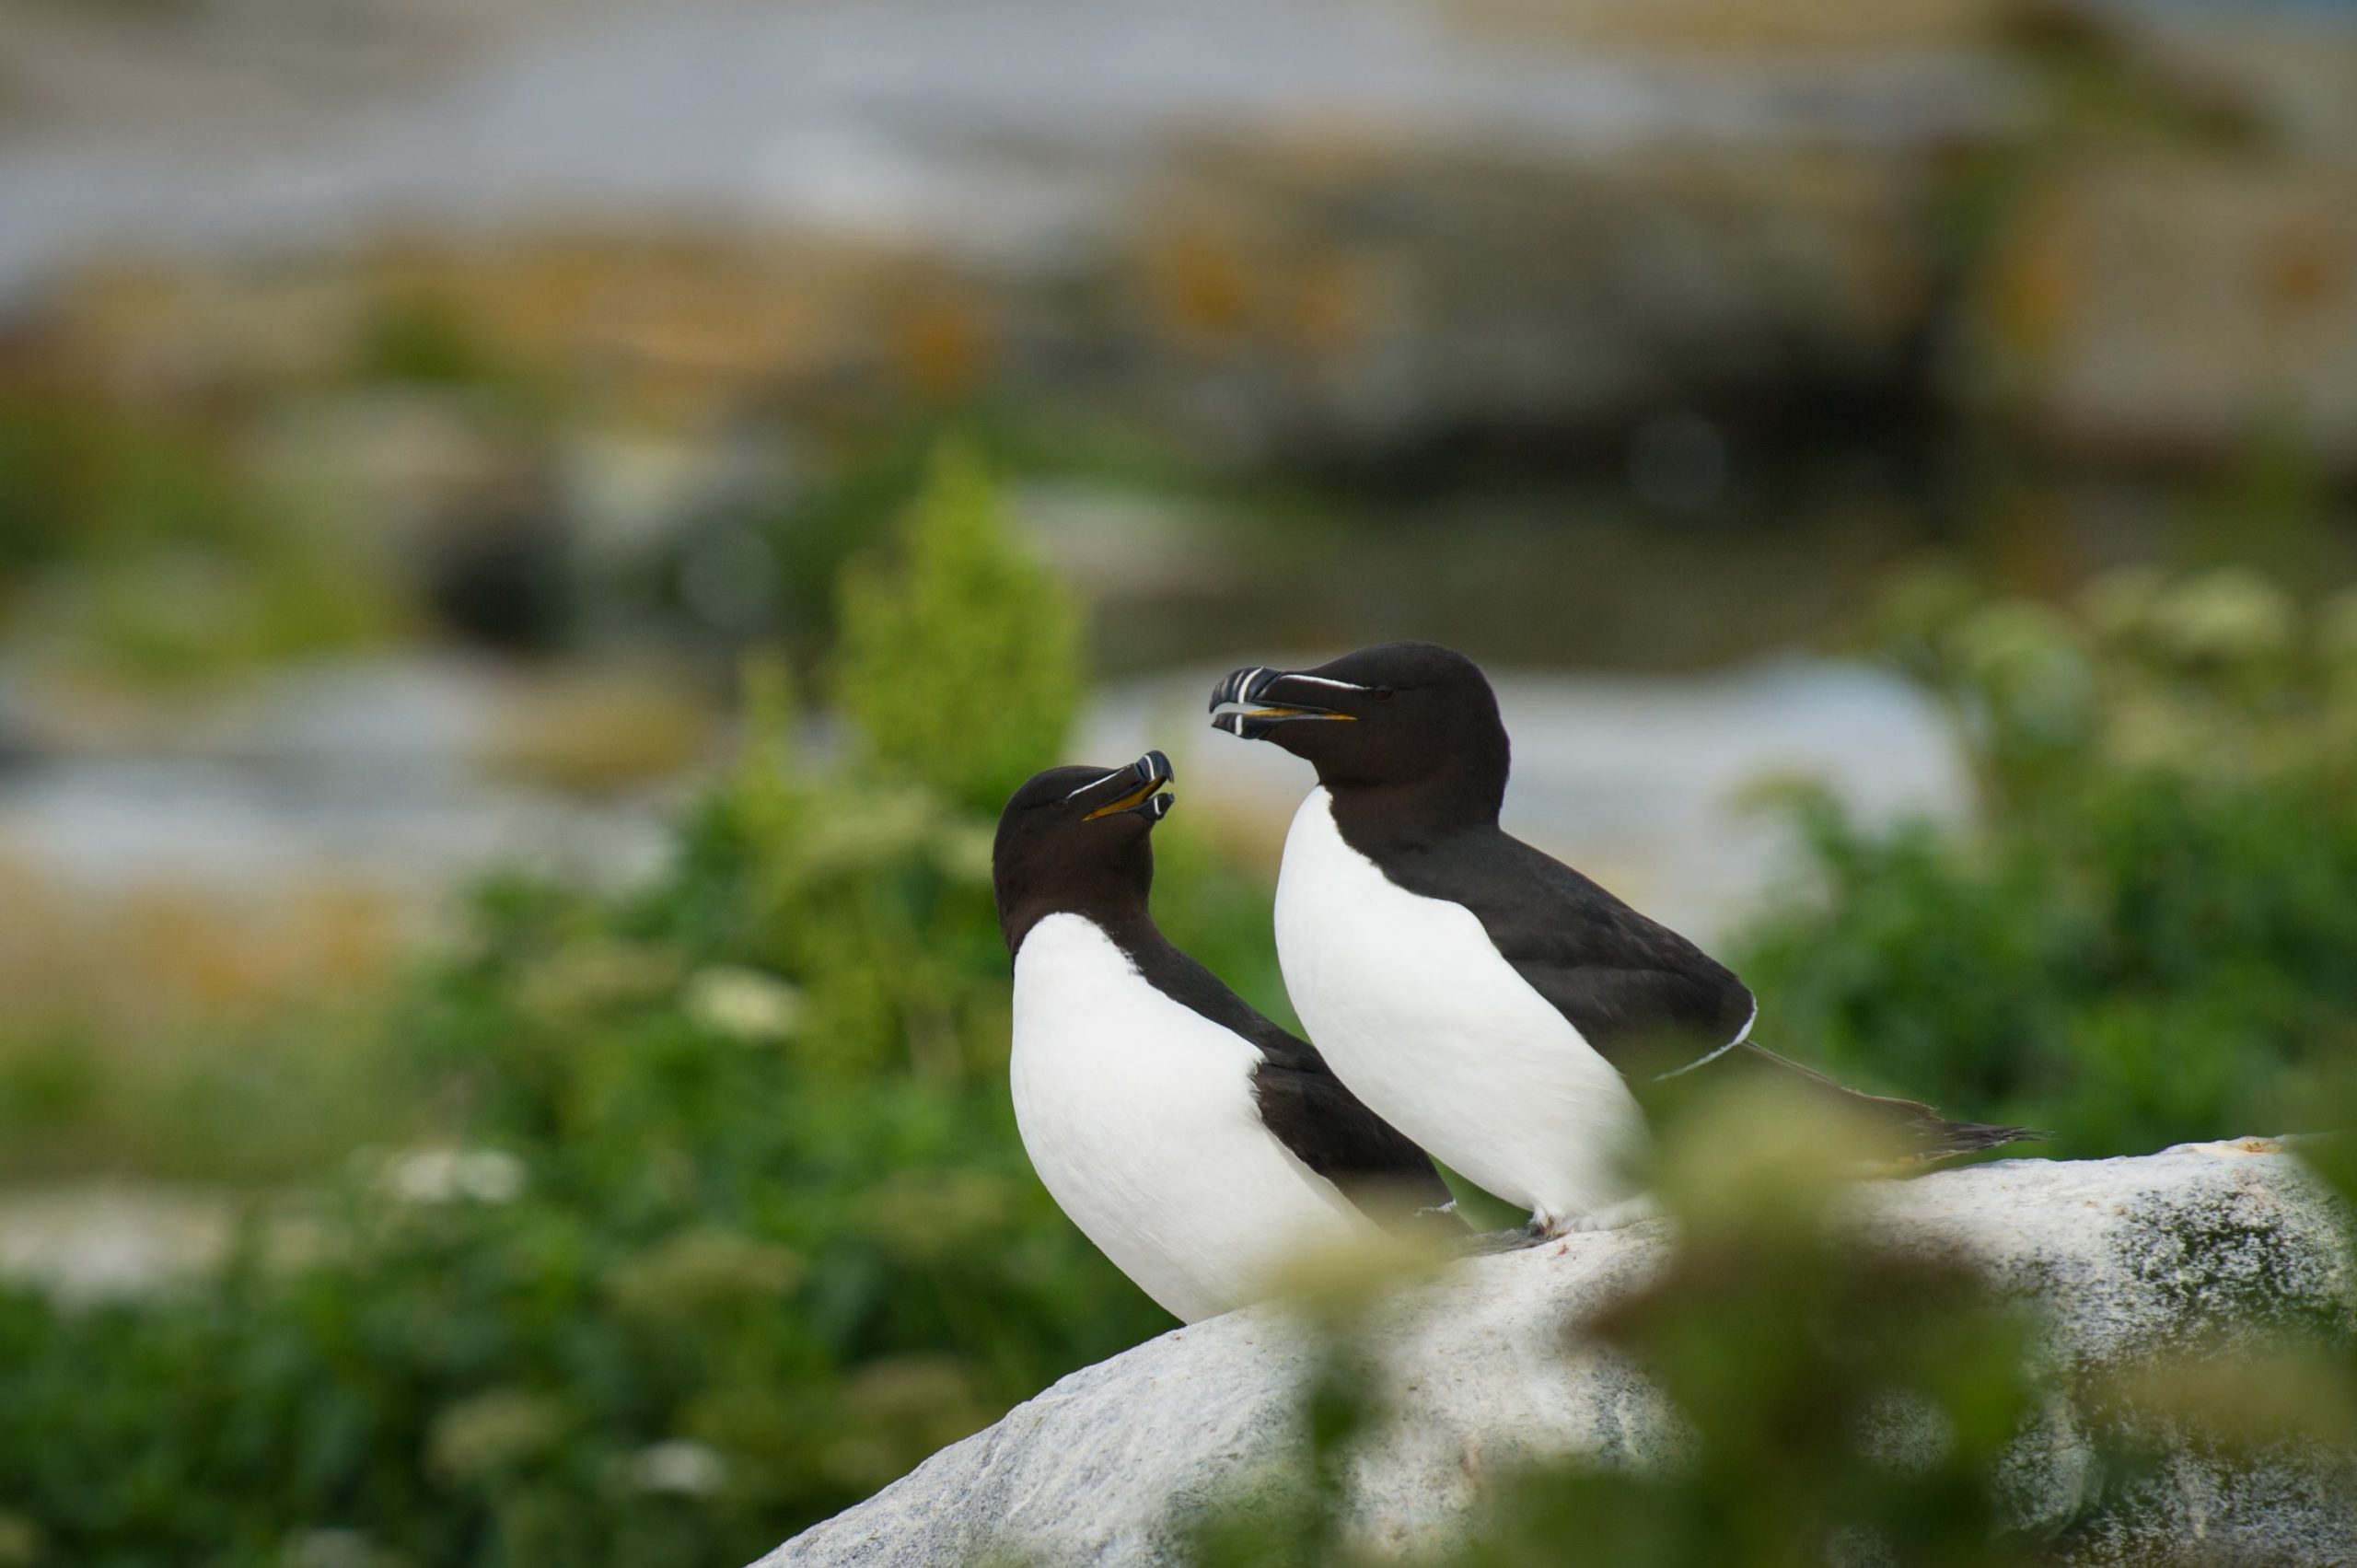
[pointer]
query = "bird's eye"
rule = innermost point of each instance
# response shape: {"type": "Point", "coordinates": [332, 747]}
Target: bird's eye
{"type": "Point", "coordinates": [1382, 693]}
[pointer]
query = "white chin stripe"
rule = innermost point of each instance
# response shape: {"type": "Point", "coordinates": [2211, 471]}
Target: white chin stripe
{"type": "Point", "coordinates": [1706, 1059]}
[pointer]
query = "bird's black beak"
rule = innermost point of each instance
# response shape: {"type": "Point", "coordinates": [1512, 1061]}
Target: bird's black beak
{"type": "Point", "coordinates": [1137, 790]}
{"type": "Point", "coordinates": [1258, 699]}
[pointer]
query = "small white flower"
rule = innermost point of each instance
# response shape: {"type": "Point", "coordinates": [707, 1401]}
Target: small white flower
{"type": "Point", "coordinates": [678, 1467]}
{"type": "Point", "coordinates": [490, 1176]}
{"type": "Point", "coordinates": [450, 1176]}
{"type": "Point", "coordinates": [743, 1004]}
{"type": "Point", "coordinates": [2233, 612]}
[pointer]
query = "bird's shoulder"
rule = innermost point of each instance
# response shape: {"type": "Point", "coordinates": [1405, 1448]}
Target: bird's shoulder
{"type": "Point", "coordinates": [1631, 985]}
{"type": "Point", "coordinates": [1535, 907]}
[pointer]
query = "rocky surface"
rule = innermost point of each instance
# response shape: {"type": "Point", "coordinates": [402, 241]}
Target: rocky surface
{"type": "Point", "coordinates": [1272, 227]}
{"type": "Point", "coordinates": [2123, 1257]}
{"type": "Point", "coordinates": [2256, 278]}
{"type": "Point", "coordinates": [1310, 225]}
{"type": "Point", "coordinates": [1004, 123]}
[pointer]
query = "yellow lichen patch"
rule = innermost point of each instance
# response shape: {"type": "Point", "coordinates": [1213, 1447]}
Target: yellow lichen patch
{"type": "Point", "coordinates": [157, 958]}
{"type": "Point", "coordinates": [941, 346]}
{"type": "Point", "coordinates": [1201, 288]}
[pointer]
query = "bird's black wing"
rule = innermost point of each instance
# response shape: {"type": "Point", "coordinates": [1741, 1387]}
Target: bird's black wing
{"type": "Point", "coordinates": [1661, 1010]}
{"type": "Point", "coordinates": [1648, 1001]}
{"type": "Point", "coordinates": [1327, 1128]}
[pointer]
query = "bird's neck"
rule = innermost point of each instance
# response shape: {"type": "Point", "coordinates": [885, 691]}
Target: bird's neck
{"type": "Point", "coordinates": [1121, 913]}
{"type": "Point", "coordinates": [1408, 817]}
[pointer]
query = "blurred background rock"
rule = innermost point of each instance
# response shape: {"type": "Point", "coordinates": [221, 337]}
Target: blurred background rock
{"type": "Point", "coordinates": [415, 418]}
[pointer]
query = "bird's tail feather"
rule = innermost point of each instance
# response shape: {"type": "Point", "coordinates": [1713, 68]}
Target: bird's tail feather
{"type": "Point", "coordinates": [1926, 1134]}
{"type": "Point", "coordinates": [1940, 1138]}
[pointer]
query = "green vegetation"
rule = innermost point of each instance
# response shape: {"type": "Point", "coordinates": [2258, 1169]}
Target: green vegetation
{"type": "Point", "coordinates": [2147, 938]}
{"type": "Point", "coordinates": [704, 1213]}
{"type": "Point", "coordinates": [422, 342]}
{"type": "Point", "coordinates": [969, 625]}
{"type": "Point", "coordinates": [131, 541]}
{"type": "Point", "coordinates": [714, 1217]}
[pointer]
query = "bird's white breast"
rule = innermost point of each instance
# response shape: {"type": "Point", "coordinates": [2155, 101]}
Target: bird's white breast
{"type": "Point", "coordinates": [1139, 1115]}
{"type": "Point", "coordinates": [1416, 1011]}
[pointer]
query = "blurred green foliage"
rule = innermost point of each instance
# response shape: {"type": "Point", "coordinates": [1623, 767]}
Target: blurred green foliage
{"type": "Point", "coordinates": [422, 342]}
{"type": "Point", "coordinates": [863, 481]}
{"type": "Point", "coordinates": [717, 1219]}
{"type": "Point", "coordinates": [242, 1100]}
{"type": "Point", "coordinates": [78, 475]}
{"type": "Point", "coordinates": [2146, 937]}
{"type": "Point", "coordinates": [131, 541]}
{"type": "Point", "coordinates": [967, 623]}
{"type": "Point", "coordinates": [710, 1215]}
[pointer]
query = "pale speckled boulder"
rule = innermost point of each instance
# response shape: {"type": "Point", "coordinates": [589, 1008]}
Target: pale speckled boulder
{"type": "Point", "coordinates": [2124, 1256]}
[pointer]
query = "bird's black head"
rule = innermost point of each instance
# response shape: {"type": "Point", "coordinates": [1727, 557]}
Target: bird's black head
{"type": "Point", "coordinates": [1406, 716]}
{"type": "Point", "coordinates": [1078, 841]}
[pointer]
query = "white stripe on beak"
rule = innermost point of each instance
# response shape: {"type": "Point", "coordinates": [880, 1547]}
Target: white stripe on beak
{"type": "Point", "coordinates": [1094, 782]}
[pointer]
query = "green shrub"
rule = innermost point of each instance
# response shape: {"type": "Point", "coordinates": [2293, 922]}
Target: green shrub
{"type": "Point", "coordinates": [718, 1218]}
{"type": "Point", "coordinates": [958, 669]}
{"type": "Point", "coordinates": [2145, 937]}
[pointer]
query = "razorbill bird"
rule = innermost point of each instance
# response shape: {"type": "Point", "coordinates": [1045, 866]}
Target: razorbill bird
{"type": "Point", "coordinates": [1198, 1146]}
{"type": "Point", "coordinates": [1513, 1017]}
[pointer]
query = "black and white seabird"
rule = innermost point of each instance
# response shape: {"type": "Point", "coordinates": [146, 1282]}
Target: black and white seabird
{"type": "Point", "coordinates": [1198, 1146]}
{"type": "Point", "coordinates": [1509, 1015]}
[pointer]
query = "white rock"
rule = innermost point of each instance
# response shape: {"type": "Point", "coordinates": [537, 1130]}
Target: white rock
{"type": "Point", "coordinates": [2123, 1256]}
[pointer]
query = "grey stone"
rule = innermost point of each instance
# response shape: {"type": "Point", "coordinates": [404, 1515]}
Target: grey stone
{"type": "Point", "coordinates": [2248, 265]}
{"type": "Point", "coordinates": [1480, 1371]}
